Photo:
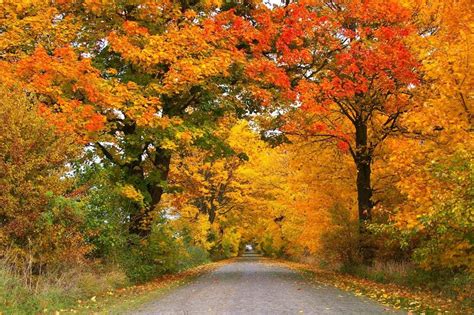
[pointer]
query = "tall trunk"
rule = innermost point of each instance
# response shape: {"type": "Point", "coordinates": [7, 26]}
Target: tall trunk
{"type": "Point", "coordinates": [140, 222]}
{"type": "Point", "coordinates": [363, 160]}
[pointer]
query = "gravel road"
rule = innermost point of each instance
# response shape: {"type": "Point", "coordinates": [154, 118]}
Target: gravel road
{"type": "Point", "coordinates": [251, 287]}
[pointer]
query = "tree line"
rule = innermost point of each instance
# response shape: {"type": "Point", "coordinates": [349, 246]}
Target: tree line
{"type": "Point", "coordinates": [157, 135]}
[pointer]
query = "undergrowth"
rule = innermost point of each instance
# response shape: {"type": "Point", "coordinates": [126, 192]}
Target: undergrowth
{"type": "Point", "coordinates": [55, 290]}
{"type": "Point", "coordinates": [453, 284]}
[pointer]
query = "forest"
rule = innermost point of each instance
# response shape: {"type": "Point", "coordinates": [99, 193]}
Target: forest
{"type": "Point", "coordinates": [141, 138]}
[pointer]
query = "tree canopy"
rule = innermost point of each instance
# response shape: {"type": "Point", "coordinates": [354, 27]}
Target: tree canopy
{"type": "Point", "coordinates": [159, 133]}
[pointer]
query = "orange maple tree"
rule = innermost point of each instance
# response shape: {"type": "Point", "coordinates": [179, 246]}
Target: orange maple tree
{"type": "Point", "coordinates": [344, 70]}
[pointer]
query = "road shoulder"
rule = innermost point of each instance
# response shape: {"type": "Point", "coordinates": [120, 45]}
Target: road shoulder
{"type": "Point", "coordinates": [123, 300]}
{"type": "Point", "coordinates": [391, 295]}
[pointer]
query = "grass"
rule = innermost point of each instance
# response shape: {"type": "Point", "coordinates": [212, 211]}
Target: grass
{"type": "Point", "coordinates": [120, 301]}
{"type": "Point", "coordinates": [451, 284]}
{"type": "Point", "coordinates": [20, 294]}
{"type": "Point", "coordinates": [383, 272]}
{"type": "Point", "coordinates": [86, 290]}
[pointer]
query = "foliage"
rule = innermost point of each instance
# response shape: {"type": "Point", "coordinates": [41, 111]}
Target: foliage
{"type": "Point", "coordinates": [105, 212]}
{"type": "Point", "coordinates": [433, 165]}
{"type": "Point", "coordinates": [163, 252]}
{"type": "Point", "coordinates": [340, 243]}
{"type": "Point", "coordinates": [447, 235]}
{"type": "Point", "coordinates": [39, 224]}
{"type": "Point", "coordinates": [131, 85]}
{"type": "Point", "coordinates": [158, 135]}
{"type": "Point", "coordinates": [439, 236]}
{"type": "Point", "coordinates": [349, 70]}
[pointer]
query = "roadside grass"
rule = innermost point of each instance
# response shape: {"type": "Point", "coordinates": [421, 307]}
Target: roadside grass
{"type": "Point", "coordinates": [452, 285]}
{"type": "Point", "coordinates": [122, 300]}
{"type": "Point", "coordinates": [91, 290]}
{"type": "Point", "coordinates": [414, 300]}
{"type": "Point", "coordinates": [28, 294]}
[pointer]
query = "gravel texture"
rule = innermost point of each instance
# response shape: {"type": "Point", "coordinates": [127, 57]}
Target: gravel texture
{"type": "Point", "coordinates": [251, 287]}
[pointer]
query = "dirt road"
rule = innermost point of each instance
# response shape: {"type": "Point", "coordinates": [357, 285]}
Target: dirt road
{"type": "Point", "coordinates": [249, 286]}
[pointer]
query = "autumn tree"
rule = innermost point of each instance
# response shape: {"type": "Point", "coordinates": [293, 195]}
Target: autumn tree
{"type": "Point", "coordinates": [432, 162]}
{"type": "Point", "coordinates": [348, 71]}
{"type": "Point", "coordinates": [40, 224]}
{"type": "Point", "coordinates": [208, 180]}
{"type": "Point", "coordinates": [302, 197]}
{"type": "Point", "coordinates": [127, 82]}
{"type": "Point", "coordinates": [206, 192]}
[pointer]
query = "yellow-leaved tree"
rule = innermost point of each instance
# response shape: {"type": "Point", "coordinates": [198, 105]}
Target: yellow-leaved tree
{"type": "Point", "coordinates": [432, 161]}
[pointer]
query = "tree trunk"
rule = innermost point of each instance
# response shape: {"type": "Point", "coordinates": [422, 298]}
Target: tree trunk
{"type": "Point", "coordinates": [364, 192]}
{"type": "Point", "coordinates": [363, 160]}
{"type": "Point", "coordinates": [140, 222]}
{"type": "Point", "coordinates": [212, 214]}
{"type": "Point", "coordinates": [162, 163]}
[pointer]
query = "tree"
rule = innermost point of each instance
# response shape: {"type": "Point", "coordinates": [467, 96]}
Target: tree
{"type": "Point", "coordinates": [40, 224]}
{"type": "Point", "coordinates": [432, 163]}
{"type": "Point", "coordinates": [346, 68]}
{"type": "Point", "coordinates": [207, 195]}
{"type": "Point", "coordinates": [127, 82]}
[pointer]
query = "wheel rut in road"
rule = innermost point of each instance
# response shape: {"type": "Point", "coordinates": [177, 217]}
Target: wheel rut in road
{"type": "Point", "coordinates": [248, 286]}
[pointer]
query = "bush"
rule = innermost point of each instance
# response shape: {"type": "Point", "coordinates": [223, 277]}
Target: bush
{"type": "Point", "coordinates": [145, 259]}
{"type": "Point", "coordinates": [446, 232]}
{"type": "Point", "coordinates": [195, 256]}
{"type": "Point", "coordinates": [340, 244]}
{"type": "Point", "coordinates": [231, 242]}
{"type": "Point", "coordinates": [226, 243]}
{"type": "Point", "coordinates": [40, 228]}
{"type": "Point", "coordinates": [106, 213]}
{"type": "Point", "coordinates": [270, 247]}
{"type": "Point", "coordinates": [164, 251]}
{"type": "Point", "coordinates": [436, 235]}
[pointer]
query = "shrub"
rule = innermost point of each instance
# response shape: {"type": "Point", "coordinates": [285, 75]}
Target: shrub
{"type": "Point", "coordinates": [446, 232]}
{"type": "Point", "coordinates": [341, 242]}
{"type": "Point", "coordinates": [270, 246]}
{"type": "Point", "coordinates": [106, 213]}
{"type": "Point", "coordinates": [435, 234]}
{"type": "Point", "coordinates": [227, 244]}
{"type": "Point", "coordinates": [39, 227]}
{"type": "Point", "coordinates": [195, 256]}
{"type": "Point", "coordinates": [164, 251]}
